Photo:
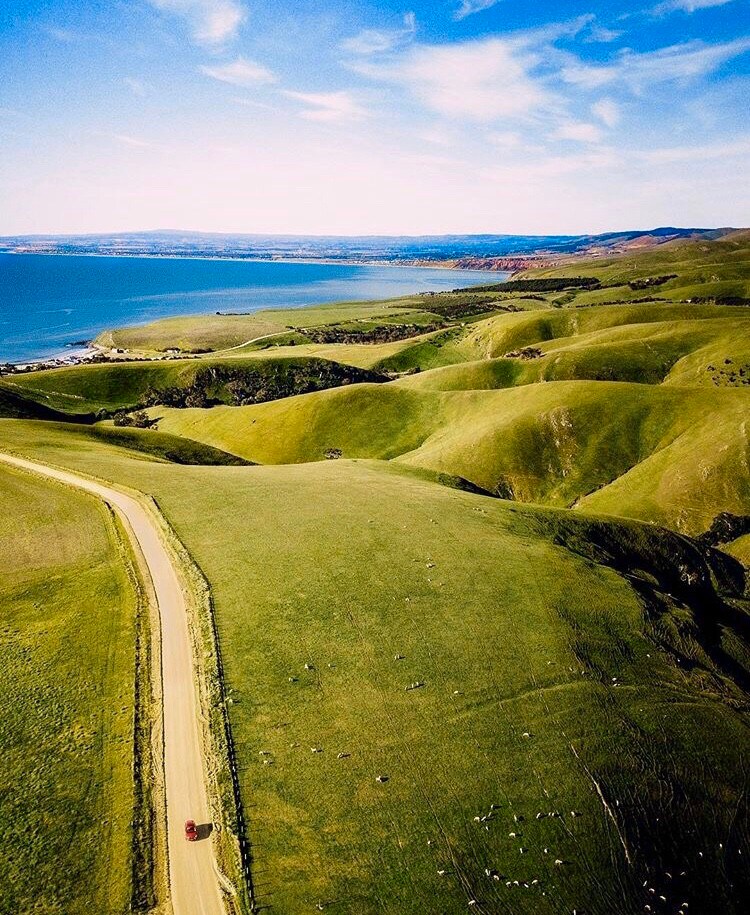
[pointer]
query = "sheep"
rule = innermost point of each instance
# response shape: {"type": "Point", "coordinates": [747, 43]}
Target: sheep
{"type": "Point", "coordinates": [309, 667]}
{"type": "Point", "coordinates": [558, 862]}
{"type": "Point", "coordinates": [381, 778]}
{"type": "Point", "coordinates": [316, 749]}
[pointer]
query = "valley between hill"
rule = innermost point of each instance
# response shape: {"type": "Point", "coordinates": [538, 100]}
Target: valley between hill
{"type": "Point", "coordinates": [478, 565]}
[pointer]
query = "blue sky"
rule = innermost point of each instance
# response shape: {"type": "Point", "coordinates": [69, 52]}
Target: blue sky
{"type": "Point", "coordinates": [363, 117]}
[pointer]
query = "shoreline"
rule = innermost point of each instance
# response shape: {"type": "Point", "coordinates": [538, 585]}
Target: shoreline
{"type": "Point", "coordinates": [324, 261]}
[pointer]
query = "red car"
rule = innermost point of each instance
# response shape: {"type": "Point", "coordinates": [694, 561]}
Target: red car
{"type": "Point", "coordinates": [191, 830]}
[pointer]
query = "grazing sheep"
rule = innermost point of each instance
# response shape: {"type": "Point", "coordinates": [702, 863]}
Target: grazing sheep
{"type": "Point", "coordinates": [309, 667]}
{"type": "Point", "coordinates": [381, 778]}
{"type": "Point", "coordinates": [316, 749]}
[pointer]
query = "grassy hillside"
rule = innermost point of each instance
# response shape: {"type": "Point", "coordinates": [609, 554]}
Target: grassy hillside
{"type": "Point", "coordinates": [85, 389]}
{"type": "Point", "coordinates": [702, 268]}
{"type": "Point", "coordinates": [531, 704]}
{"type": "Point", "coordinates": [66, 702]}
{"type": "Point", "coordinates": [551, 684]}
{"type": "Point", "coordinates": [551, 443]}
{"type": "Point", "coordinates": [220, 332]}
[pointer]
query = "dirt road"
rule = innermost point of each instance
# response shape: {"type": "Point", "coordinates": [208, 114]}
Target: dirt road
{"type": "Point", "coordinates": [193, 874]}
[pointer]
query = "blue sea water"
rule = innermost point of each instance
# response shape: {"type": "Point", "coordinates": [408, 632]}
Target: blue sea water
{"type": "Point", "coordinates": [49, 302]}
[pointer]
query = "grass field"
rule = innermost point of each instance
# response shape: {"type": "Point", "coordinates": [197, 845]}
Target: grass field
{"type": "Point", "coordinates": [511, 633]}
{"type": "Point", "coordinates": [536, 702]}
{"type": "Point", "coordinates": [66, 702]}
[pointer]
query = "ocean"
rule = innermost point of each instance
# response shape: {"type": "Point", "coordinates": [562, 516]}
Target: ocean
{"type": "Point", "coordinates": [49, 303]}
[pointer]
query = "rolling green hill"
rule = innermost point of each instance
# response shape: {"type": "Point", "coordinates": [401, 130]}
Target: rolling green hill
{"type": "Point", "coordinates": [532, 696]}
{"type": "Point", "coordinates": [558, 656]}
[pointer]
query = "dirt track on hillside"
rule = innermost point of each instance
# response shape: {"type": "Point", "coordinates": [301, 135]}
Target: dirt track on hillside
{"type": "Point", "coordinates": [193, 874]}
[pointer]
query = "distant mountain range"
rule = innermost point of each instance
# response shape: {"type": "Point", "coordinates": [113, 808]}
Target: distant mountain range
{"type": "Point", "coordinates": [482, 251]}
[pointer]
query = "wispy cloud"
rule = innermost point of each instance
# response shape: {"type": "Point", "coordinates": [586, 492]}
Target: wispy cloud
{"type": "Point", "coordinates": [640, 70]}
{"type": "Point", "coordinates": [478, 80]}
{"type": "Point", "coordinates": [687, 6]}
{"type": "Point", "coordinates": [211, 22]}
{"type": "Point", "coordinates": [67, 36]}
{"type": "Point", "coordinates": [329, 107]}
{"type": "Point", "coordinates": [578, 132]}
{"type": "Point", "coordinates": [136, 86]}
{"type": "Point", "coordinates": [469, 7]}
{"type": "Point", "coordinates": [240, 72]}
{"type": "Point", "coordinates": [375, 41]}
{"type": "Point", "coordinates": [132, 142]}
{"type": "Point", "coordinates": [601, 35]}
{"type": "Point", "coordinates": [607, 111]}
{"type": "Point", "coordinates": [674, 154]}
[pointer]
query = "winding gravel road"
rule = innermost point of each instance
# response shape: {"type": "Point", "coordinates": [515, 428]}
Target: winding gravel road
{"type": "Point", "coordinates": [193, 874]}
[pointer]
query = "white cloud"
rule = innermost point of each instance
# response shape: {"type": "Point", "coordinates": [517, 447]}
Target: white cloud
{"type": "Point", "coordinates": [506, 139]}
{"type": "Point", "coordinates": [578, 132]}
{"type": "Point", "coordinates": [132, 142]}
{"type": "Point", "coordinates": [607, 111]}
{"type": "Point", "coordinates": [599, 34]}
{"type": "Point", "coordinates": [211, 22]}
{"type": "Point", "coordinates": [480, 80]}
{"type": "Point", "coordinates": [68, 36]}
{"type": "Point", "coordinates": [329, 107]}
{"type": "Point", "coordinates": [688, 6]}
{"type": "Point", "coordinates": [240, 72]}
{"type": "Point", "coordinates": [469, 7]}
{"type": "Point", "coordinates": [640, 70]}
{"type": "Point", "coordinates": [136, 86]}
{"type": "Point", "coordinates": [376, 41]}
{"type": "Point", "coordinates": [670, 155]}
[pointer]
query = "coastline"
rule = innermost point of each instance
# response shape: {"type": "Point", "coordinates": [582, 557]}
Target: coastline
{"type": "Point", "coordinates": [65, 353]}
{"type": "Point", "coordinates": [419, 264]}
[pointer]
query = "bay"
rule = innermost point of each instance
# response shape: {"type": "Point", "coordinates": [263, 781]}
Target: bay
{"type": "Point", "coordinates": [50, 302]}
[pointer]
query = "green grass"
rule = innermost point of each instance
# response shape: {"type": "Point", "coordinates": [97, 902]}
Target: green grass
{"type": "Point", "coordinates": [220, 332]}
{"type": "Point", "coordinates": [66, 702]}
{"type": "Point", "coordinates": [563, 443]}
{"type": "Point", "coordinates": [80, 391]}
{"type": "Point", "coordinates": [511, 632]}
{"type": "Point", "coordinates": [619, 648]}
{"type": "Point", "coordinates": [703, 268]}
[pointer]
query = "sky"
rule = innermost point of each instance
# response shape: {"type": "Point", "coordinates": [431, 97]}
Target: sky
{"type": "Point", "coordinates": [354, 117]}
